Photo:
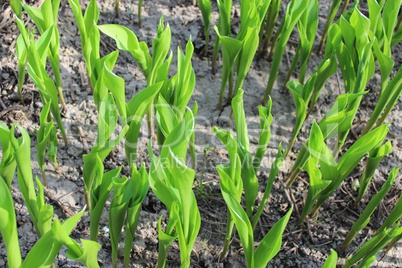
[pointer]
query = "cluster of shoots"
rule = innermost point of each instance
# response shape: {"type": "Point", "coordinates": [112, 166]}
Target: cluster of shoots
{"type": "Point", "coordinates": [355, 43]}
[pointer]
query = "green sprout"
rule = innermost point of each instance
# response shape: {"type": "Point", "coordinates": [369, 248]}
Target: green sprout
{"type": "Point", "coordinates": [206, 11]}
{"type": "Point", "coordinates": [45, 17]}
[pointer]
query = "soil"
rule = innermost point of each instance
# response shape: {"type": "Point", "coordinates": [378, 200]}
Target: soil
{"type": "Point", "coordinates": [307, 246]}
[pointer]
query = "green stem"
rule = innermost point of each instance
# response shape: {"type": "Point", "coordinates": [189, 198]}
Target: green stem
{"type": "Point", "coordinates": [228, 237]}
{"type": "Point", "coordinates": [273, 43]}
{"type": "Point", "coordinates": [150, 120]}
{"type": "Point", "coordinates": [44, 176]}
{"type": "Point", "coordinates": [392, 243]}
{"type": "Point", "coordinates": [345, 5]}
{"type": "Point", "coordinates": [291, 144]}
{"type": "Point", "coordinates": [206, 33]}
{"type": "Point", "coordinates": [128, 241]}
{"type": "Point", "coordinates": [292, 177]}
{"type": "Point", "coordinates": [87, 196]}
{"type": "Point", "coordinates": [269, 29]}
{"type": "Point", "coordinates": [294, 63]}
{"type": "Point", "coordinates": [331, 16]}
{"type": "Point", "coordinates": [140, 12]}
{"type": "Point", "coordinates": [215, 54]}
{"type": "Point", "coordinates": [274, 171]}
{"type": "Point", "coordinates": [399, 22]}
{"type": "Point", "coordinates": [93, 229]}
{"type": "Point", "coordinates": [60, 92]}
{"type": "Point", "coordinates": [230, 92]}
{"type": "Point", "coordinates": [55, 63]}
{"type": "Point", "coordinates": [116, 8]}
{"type": "Point", "coordinates": [315, 210]}
{"type": "Point", "coordinates": [21, 80]}
{"type": "Point", "coordinates": [64, 134]}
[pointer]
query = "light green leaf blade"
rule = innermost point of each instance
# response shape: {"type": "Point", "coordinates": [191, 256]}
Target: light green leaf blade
{"type": "Point", "coordinates": [331, 260]}
{"type": "Point", "coordinates": [8, 226]}
{"type": "Point", "coordinates": [272, 242]}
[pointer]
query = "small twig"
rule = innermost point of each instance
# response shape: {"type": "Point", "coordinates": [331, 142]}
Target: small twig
{"type": "Point", "coordinates": [359, 246]}
{"type": "Point", "coordinates": [345, 191]}
{"type": "Point", "coordinates": [14, 107]}
{"type": "Point", "coordinates": [338, 80]}
{"type": "Point", "coordinates": [3, 106]}
{"type": "Point", "coordinates": [72, 94]}
{"type": "Point", "coordinates": [212, 215]}
{"type": "Point", "coordinates": [261, 228]}
{"type": "Point", "coordinates": [294, 202]}
{"type": "Point", "coordinates": [290, 197]}
{"type": "Point", "coordinates": [323, 244]}
{"type": "Point", "coordinates": [82, 72]}
{"type": "Point", "coordinates": [54, 200]}
{"type": "Point", "coordinates": [309, 229]}
{"type": "Point", "coordinates": [213, 222]}
{"type": "Point", "coordinates": [6, 21]}
{"type": "Point", "coordinates": [352, 130]}
{"type": "Point", "coordinates": [392, 200]}
{"type": "Point", "coordinates": [83, 140]}
{"type": "Point", "coordinates": [384, 209]}
{"type": "Point", "coordinates": [293, 249]}
{"type": "Point", "coordinates": [353, 212]}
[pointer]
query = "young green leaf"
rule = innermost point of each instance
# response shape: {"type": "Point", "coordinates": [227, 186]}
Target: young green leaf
{"type": "Point", "coordinates": [317, 149]}
{"type": "Point", "coordinates": [87, 254]}
{"type": "Point", "coordinates": [118, 210]}
{"type": "Point", "coordinates": [240, 121]}
{"type": "Point", "coordinates": [250, 181]}
{"type": "Point", "coordinates": [386, 102]}
{"type": "Point", "coordinates": [230, 172]}
{"type": "Point", "coordinates": [126, 40]}
{"type": "Point", "coordinates": [265, 133]}
{"type": "Point", "coordinates": [331, 16]}
{"type": "Point", "coordinates": [7, 164]}
{"type": "Point", "coordinates": [22, 58]}
{"type": "Point", "coordinates": [331, 260]}
{"type": "Point", "coordinates": [47, 247]}
{"type": "Point", "coordinates": [373, 246]}
{"type": "Point", "coordinates": [45, 18]}
{"type": "Point", "coordinates": [293, 13]}
{"type": "Point", "coordinates": [230, 49]}
{"type": "Point", "coordinates": [246, 56]}
{"type": "Point", "coordinates": [272, 242]}
{"type": "Point", "coordinates": [185, 79]}
{"type": "Point", "coordinates": [351, 158]}
{"type": "Point", "coordinates": [365, 217]}
{"type": "Point", "coordinates": [35, 203]}
{"type": "Point", "coordinates": [272, 175]}
{"type": "Point", "coordinates": [224, 8]}
{"type": "Point", "coordinates": [136, 109]}
{"type": "Point", "coordinates": [139, 188]}
{"type": "Point", "coordinates": [241, 220]}
{"type": "Point", "coordinates": [393, 217]}
{"type": "Point", "coordinates": [206, 11]}
{"type": "Point", "coordinates": [301, 95]}
{"type": "Point", "coordinates": [37, 52]}
{"type": "Point", "coordinates": [16, 6]}
{"type": "Point", "coordinates": [192, 149]}
{"type": "Point", "coordinates": [307, 28]}
{"type": "Point", "coordinates": [265, 251]}
{"type": "Point", "coordinates": [374, 159]}
{"type": "Point", "coordinates": [108, 81]}
{"type": "Point", "coordinates": [99, 196]}
{"type": "Point", "coordinates": [271, 19]}
{"type": "Point", "coordinates": [8, 226]}
{"type": "Point", "coordinates": [167, 237]}
{"type": "Point", "coordinates": [47, 140]}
